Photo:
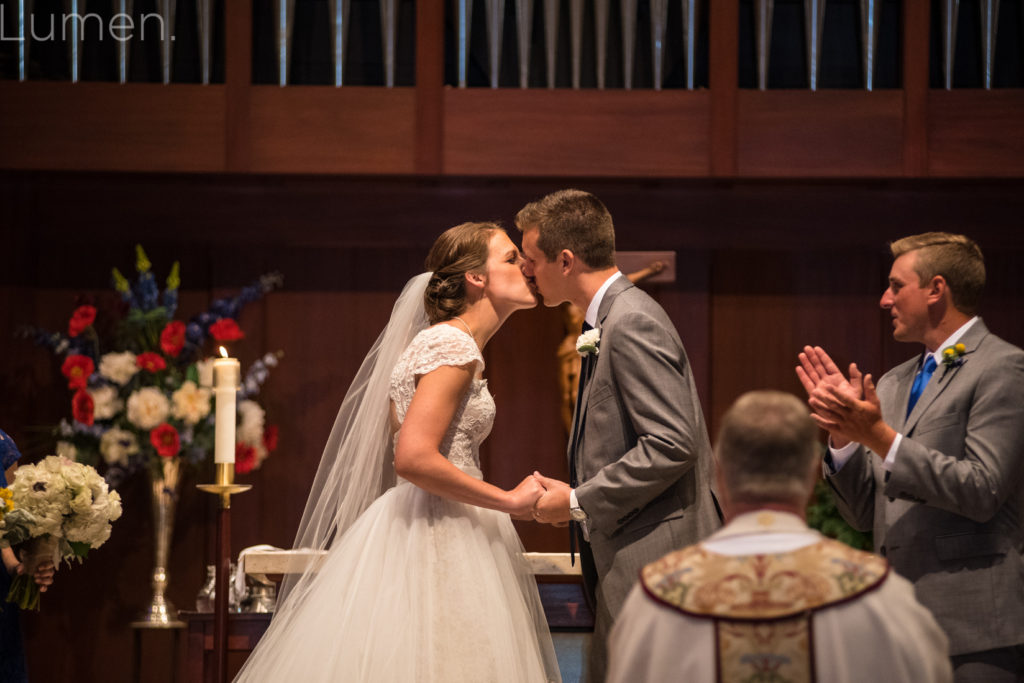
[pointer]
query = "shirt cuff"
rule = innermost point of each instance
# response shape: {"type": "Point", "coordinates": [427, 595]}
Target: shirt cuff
{"type": "Point", "coordinates": [890, 457]}
{"type": "Point", "coordinates": [837, 457]}
{"type": "Point", "coordinates": [584, 525]}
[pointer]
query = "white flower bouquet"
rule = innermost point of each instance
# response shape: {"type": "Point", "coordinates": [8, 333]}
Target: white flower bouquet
{"type": "Point", "coordinates": [54, 510]}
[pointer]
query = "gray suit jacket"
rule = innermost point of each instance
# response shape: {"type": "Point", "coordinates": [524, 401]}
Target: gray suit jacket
{"type": "Point", "coordinates": [948, 517]}
{"type": "Point", "coordinates": [643, 456]}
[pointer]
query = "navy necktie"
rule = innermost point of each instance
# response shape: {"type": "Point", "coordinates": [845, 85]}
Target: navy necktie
{"type": "Point", "coordinates": [920, 382]}
{"type": "Point", "coordinates": [586, 363]}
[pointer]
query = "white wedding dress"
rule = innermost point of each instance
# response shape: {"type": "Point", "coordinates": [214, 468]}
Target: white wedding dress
{"type": "Point", "coordinates": [420, 588]}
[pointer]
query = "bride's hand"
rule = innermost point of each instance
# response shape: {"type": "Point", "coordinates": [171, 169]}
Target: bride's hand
{"type": "Point", "coordinates": [523, 497]}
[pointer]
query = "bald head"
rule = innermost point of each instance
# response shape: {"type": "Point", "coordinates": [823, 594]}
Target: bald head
{"type": "Point", "coordinates": [767, 450]}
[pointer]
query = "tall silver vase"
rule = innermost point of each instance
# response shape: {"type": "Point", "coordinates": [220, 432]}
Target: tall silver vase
{"type": "Point", "coordinates": [164, 488]}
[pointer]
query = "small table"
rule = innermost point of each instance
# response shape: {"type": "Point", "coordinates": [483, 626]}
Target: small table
{"type": "Point", "coordinates": [175, 628]}
{"type": "Point", "coordinates": [244, 631]}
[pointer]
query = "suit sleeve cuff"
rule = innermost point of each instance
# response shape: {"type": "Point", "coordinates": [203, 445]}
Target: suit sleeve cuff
{"type": "Point", "coordinates": [837, 457]}
{"type": "Point", "coordinates": [890, 457]}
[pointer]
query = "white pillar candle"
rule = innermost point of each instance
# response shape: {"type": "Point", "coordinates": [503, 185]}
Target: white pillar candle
{"type": "Point", "coordinates": [226, 376]}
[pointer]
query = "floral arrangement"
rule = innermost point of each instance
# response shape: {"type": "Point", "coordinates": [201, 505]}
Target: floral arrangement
{"type": "Point", "coordinates": [953, 356]}
{"type": "Point", "coordinates": [141, 390]}
{"type": "Point", "coordinates": [587, 343]}
{"type": "Point", "coordinates": [56, 509]}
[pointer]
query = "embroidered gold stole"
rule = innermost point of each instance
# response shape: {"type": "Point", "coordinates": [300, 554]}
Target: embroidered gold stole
{"type": "Point", "coordinates": [762, 605]}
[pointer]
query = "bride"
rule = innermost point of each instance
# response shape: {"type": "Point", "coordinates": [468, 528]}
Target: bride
{"type": "Point", "coordinates": [427, 581]}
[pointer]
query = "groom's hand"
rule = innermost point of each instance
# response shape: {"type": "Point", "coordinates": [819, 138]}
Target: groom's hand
{"type": "Point", "coordinates": [553, 506]}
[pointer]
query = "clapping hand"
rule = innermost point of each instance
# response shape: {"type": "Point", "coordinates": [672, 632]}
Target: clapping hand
{"type": "Point", "coordinates": [849, 409]}
{"type": "Point", "coordinates": [553, 506]}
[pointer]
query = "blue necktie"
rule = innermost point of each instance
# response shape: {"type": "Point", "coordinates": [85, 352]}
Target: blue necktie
{"type": "Point", "coordinates": [920, 382]}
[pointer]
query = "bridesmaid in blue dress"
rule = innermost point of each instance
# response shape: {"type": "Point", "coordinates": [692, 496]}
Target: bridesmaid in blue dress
{"type": "Point", "coordinates": [12, 651]}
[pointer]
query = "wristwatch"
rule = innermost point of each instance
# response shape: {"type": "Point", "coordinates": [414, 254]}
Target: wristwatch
{"type": "Point", "coordinates": [577, 514]}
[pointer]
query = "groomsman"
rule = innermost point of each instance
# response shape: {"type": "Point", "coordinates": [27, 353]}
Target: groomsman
{"type": "Point", "coordinates": [766, 597]}
{"type": "Point", "coordinates": [932, 460]}
{"type": "Point", "coordinates": [640, 462]}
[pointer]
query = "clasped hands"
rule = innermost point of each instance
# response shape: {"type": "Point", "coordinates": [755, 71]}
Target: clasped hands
{"type": "Point", "coordinates": [848, 408]}
{"type": "Point", "coordinates": [542, 499]}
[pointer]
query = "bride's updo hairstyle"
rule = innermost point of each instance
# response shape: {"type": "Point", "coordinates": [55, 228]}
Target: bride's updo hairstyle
{"type": "Point", "coordinates": [459, 250]}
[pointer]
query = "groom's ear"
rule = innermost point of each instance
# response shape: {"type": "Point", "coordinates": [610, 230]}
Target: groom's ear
{"type": "Point", "coordinates": [566, 261]}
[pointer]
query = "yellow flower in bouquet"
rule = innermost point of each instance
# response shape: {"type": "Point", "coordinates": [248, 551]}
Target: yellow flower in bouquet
{"type": "Point", "coordinates": [56, 509]}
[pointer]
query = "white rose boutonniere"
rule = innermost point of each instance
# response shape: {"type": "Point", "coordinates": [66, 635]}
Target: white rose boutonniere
{"type": "Point", "coordinates": [587, 343]}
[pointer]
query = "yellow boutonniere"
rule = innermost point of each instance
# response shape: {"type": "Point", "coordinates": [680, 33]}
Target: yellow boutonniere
{"type": "Point", "coordinates": [953, 356]}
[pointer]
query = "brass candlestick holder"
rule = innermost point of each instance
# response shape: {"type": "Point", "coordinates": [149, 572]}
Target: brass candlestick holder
{"type": "Point", "coordinates": [225, 488]}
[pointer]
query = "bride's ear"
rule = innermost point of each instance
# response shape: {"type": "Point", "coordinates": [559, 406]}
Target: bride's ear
{"type": "Point", "coordinates": [476, 279]}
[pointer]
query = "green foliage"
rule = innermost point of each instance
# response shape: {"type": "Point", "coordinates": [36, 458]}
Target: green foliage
{"type": "Point", "coordinates": [823, 515]}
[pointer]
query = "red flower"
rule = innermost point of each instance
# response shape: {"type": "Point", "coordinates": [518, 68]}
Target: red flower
{"type": "Point", "coordinates": [165, 440]}
{"type": "Point", "coordinates": [226, 329]}
{"type": "Point", "coordinates": [77, 369]}
{"type": "Point", "coordinates": [151, 362]}
{"type": "Point", "coordinates": [245, 458]}
{"type": "Point", "coordinates": [81, 319]}
{"type": "Point", "coordinates": [172, 339]}
{"type": "Point", "coordinates": [270, 438]}
{"type": "Point", "coordinates": [82, 407]}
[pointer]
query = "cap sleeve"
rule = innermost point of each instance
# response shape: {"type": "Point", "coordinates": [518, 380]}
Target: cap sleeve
{"type": "Point", "coordinates": [444, 345]}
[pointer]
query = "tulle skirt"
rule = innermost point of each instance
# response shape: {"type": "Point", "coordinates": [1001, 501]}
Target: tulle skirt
{"type": "Point", "coordinates": [420, 589]}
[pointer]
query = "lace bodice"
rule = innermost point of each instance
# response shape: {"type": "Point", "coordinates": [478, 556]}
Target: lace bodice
{"type": "Point", "coordinates": [429, 350]}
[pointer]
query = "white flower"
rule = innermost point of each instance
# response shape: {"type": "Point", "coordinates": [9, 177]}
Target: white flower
{"type": "Point", "coordinates": [191, 403]}
{"type": "Point", "coordinates": [66, 449]}
{"type": "Point", "coordinates": [205, 370]}
{"type": "Point", "coordinates": [117, 445]}
{"type": "Point", "coordinates": [147, 407]}
{"type": "Point", "coordinates": [587, 343]}
{"type": "Point", "coordinates": [118, 367]}
{"type": "Point", "coordinates": [250, 427]}
{"type": "Point", "coordinates": [105, 402]}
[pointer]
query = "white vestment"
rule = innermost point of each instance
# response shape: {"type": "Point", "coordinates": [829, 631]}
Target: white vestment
{"type": "Point", "coordinates": [881, 636]}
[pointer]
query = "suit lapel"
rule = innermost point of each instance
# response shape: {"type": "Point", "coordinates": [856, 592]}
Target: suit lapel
{"type": "Point", "coordinates": [944, 376]}
{"type": "Point", "coordinates": [620, 285]}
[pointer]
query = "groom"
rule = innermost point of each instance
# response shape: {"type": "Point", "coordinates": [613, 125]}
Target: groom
{"type": "Point", "coordinates": [640, 463]}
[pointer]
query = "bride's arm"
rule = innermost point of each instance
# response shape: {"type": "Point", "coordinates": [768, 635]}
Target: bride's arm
{"type": "Point", "coordinates": [418, 457]}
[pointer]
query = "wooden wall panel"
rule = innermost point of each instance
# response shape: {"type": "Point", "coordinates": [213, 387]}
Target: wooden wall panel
{"type": "Point", "coordinates": [972, 133]}
{"type": "Point", "coordinates": [585, 132]}
{"type": "Point", "coordinates": [310, 129]}
{"type": "Point", "coordinates": [105, 126]}
{"type": "Point", "coordinates": [832, 133]}
{"type": "Point", "coordinates": [763, 268]}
